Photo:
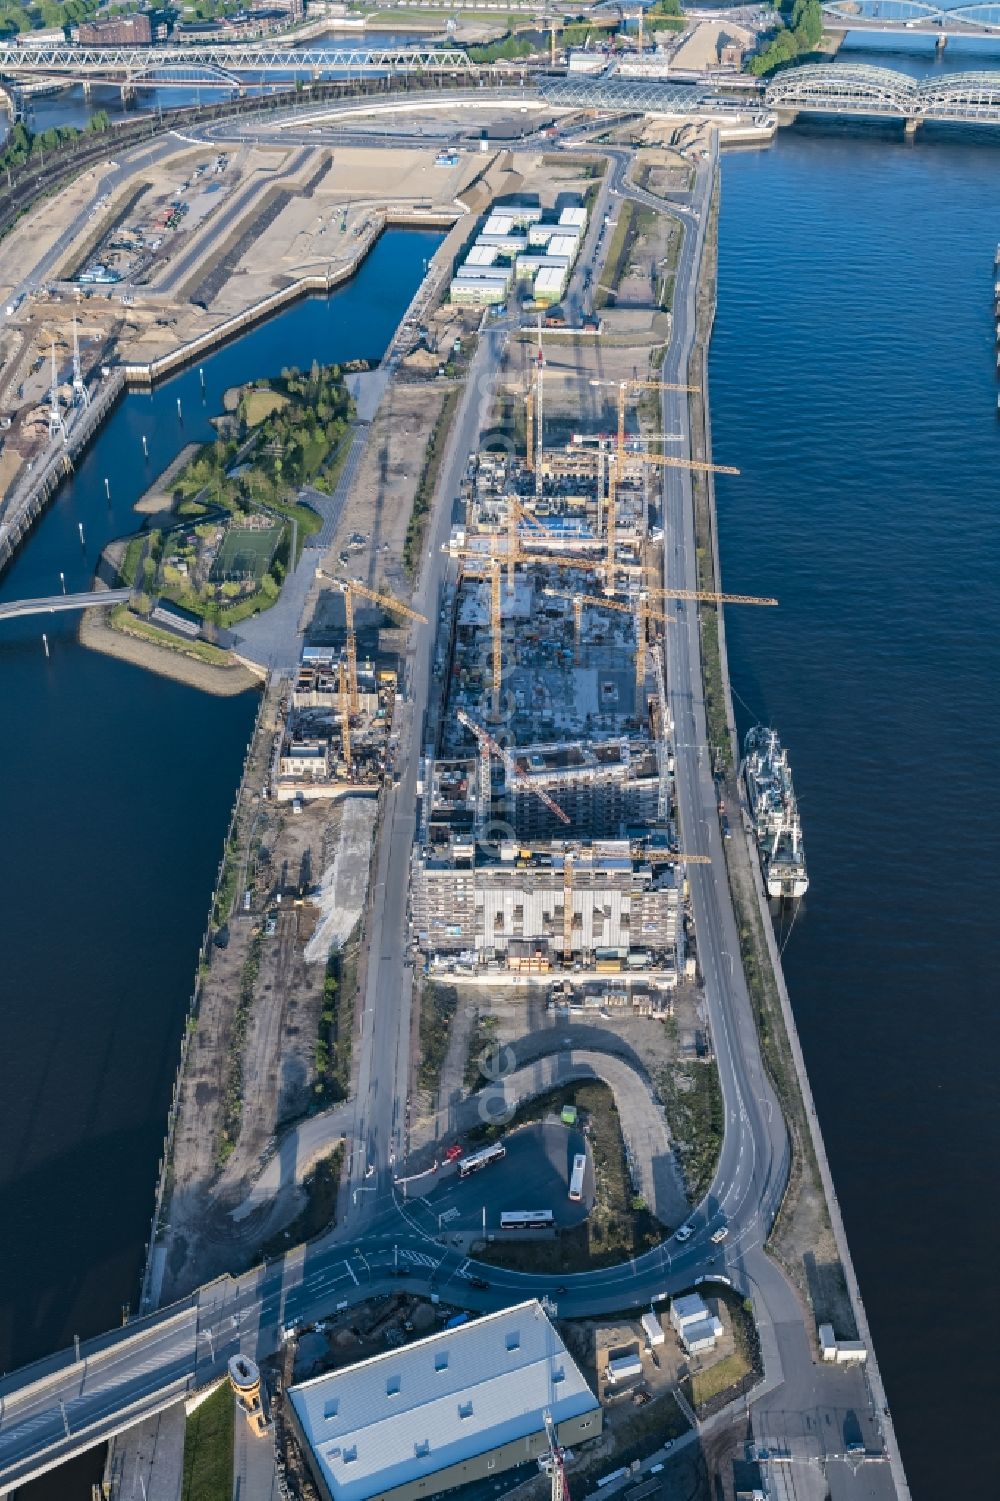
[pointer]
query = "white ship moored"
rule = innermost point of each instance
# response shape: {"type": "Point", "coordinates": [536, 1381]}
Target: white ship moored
{"type": "Point", "coordinates": [775, 813]}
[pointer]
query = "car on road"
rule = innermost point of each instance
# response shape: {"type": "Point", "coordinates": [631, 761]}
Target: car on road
{"type": "Point", "coordinates": [719, 1236]}
{"type": "Point", "coordinates": [454, 1152]}
{"type": "Point", "coordinates": [684, 1233]}
{"type": "Point", "coordinates": [479, 1282]}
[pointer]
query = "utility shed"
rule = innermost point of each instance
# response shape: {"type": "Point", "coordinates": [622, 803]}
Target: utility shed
{"type": "Point", "coordinates": [653, 1329]}
{"type": "Point", "coordinates": [623, 1368]}
{"type": "Point", "coordinates": [443, 1411]}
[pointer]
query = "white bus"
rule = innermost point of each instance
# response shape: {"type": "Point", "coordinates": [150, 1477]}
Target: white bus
{"type": "Point", "coordinates": [476, 1160]}
{"type": "Point", "coordinates": [528, 1219]}
{"type": "Point", "coordinates": [576, 1178]}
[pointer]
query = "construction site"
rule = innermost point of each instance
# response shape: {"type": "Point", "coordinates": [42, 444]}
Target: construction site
{"type": "Point", "coordinates": [337, 732]}
{"type": "Point", "coordinates": [548, 837]}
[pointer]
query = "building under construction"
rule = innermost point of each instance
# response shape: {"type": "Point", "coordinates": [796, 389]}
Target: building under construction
{"type": "Point", "coordinates": [547, 836]}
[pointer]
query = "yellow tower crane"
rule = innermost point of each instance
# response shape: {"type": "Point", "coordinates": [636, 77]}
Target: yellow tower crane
{"type": "Point", "coordinates": [491, 566]}
{"type": "Point", "coordinates": [345, 715]}
{"type": "Point", "coordinates": [616, 469]}
{"type": "Point", "coordinates": [517, 778]}
{"type": "Point", "coordinates": [638, 607]}
{"type": "Point", "coordinates": [350, 588]}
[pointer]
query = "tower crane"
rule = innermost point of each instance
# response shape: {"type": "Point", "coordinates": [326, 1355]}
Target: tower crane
{"type": "Point", "coordinates": [345, 715]}
{"type": "Point", "coordinates": [516, 513]}
{"type": "Point", "coordinates": [350, 588]}
{"type": "Point", "coordinates": [557, 1470]}
{"type": "Point", "coordinates": [491, 565]}
{"type": "Point", "coordinates": [639, 608]}
{"type": "Point", "coordinates": [567, 957]}
{"type": "Point", "coordinates": [616, 470]}
{"type": "Point", "coordinates": [517, 778]}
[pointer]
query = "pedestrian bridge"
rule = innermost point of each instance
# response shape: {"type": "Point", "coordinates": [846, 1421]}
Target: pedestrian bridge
{"type": "Point", "coordinates": [913, 15]}
{"type": "Point", "coordinates": [51, 605]}
{"type": "Point", "coordinates": [856, 88]}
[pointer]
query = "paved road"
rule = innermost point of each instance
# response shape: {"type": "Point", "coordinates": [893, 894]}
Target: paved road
{"type": "Point", "coordinates": [380, 1105]}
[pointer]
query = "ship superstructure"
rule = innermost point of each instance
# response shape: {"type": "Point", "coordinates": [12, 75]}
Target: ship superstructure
{"type": "Point", "coordinates": [775, 813]}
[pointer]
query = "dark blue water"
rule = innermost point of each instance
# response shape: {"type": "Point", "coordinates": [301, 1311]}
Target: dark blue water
{"type": "Point", "coordinates": [853, 376]}
{"type": "Point", "coordinates": [117, 787]}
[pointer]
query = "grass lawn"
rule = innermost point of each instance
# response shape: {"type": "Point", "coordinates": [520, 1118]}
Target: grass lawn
{"type": "Point", "coordinates": [208, 1449]}
{"type": "Point", "coordinates": [260, 404]}
{"type": "Point", "coordinates": [123, 620]}
{"type": "Point", "coordinates": [702, 1386]}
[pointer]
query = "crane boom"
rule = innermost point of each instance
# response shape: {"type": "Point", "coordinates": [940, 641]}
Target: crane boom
{"type": "Point", "coordinates": [517, 777]}
{"type": "Point", "coordinates": [387, 600]}
{"type": "Point", "coordinates": [349, 588]}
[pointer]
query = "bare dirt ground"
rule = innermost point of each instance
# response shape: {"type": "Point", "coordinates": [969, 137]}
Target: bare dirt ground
{"type": "Point", "coordinates": [521, 1021]}
{"type": "Point", "coordinates": [662, 171]}
{"type": "Point", "coordinates": [648, 264]}
{"type": "Point", "coordinates": [270, 1071]}
{"type": "Point", "coordinates": [381, 498]}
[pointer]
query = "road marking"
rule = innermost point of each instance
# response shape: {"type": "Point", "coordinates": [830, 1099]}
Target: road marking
{"type": "Point", "coordinates": [351, 1270]}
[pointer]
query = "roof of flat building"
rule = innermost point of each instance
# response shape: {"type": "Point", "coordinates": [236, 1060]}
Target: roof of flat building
{"type": "Point", "coordinates": [412, 1412]}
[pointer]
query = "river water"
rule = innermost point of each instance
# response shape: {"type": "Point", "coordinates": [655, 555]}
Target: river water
{"type": "Point", "coordinates": [853, 379]}
{"type": "Point", "coordinates": [117, 791]}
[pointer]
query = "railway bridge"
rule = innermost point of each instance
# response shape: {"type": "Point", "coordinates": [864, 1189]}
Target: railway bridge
{"type": "Point", "coordinates": [913, 18]}
{"type": "Point", "coordinates": [858, 89]}
{"type": "Point", "coordinates": [231, 66]}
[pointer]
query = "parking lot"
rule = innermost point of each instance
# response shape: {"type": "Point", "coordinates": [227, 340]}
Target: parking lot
{"type": "Point", "coordinates": [534, 1174]}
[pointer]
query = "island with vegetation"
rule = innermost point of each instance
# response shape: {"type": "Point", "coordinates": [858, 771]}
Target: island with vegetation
{"type": "Point", "coordinates": [236, 524]}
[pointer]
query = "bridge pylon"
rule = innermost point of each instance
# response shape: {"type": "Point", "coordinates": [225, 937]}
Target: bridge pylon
{"type": "Point", "coordinates": [940, 42]}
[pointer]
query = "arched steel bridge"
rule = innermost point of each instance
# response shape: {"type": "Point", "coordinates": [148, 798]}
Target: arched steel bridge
{"type": "Point", "coordinates": [229, 65]}
{"type": "Point", "coordinates": [855, 88]}
{"type": "Point", "coordinates": [913, 15]}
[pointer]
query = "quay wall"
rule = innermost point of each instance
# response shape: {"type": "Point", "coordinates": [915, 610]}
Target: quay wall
{"type": "Point", "coordinates": [145, 375]}
{"type": "Point", "coordinates": [149, 1292]}
{"type": "Point", "coordinates": [36, 487]}
{"type": "Point", "coordinates": [872, 1372]}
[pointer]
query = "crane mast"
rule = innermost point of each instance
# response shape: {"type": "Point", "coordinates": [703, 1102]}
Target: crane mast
{"type": "Point", "coordinates": [560, 1490]}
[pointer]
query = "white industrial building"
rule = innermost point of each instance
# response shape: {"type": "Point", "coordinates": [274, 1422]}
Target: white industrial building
{"type": "Point", "coordinates": [482, 254]}
{"type": "Point", "coordinates": [541, 234]}
{"type": "Point", "coordinates": [550, 283]}
{"type": "Point", "coordinates": [540, 253]}
{"type": "Point", "coordinates": [529, 265]}
{"type": "Point", "coordinates": [697, 1327]}
{"type": "Point", "coordinates": [653, 1329]}
{"type": "Point", "coordinates": [843, 1351]}
{"type": "Point", "coordinates": [453, 1408]}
